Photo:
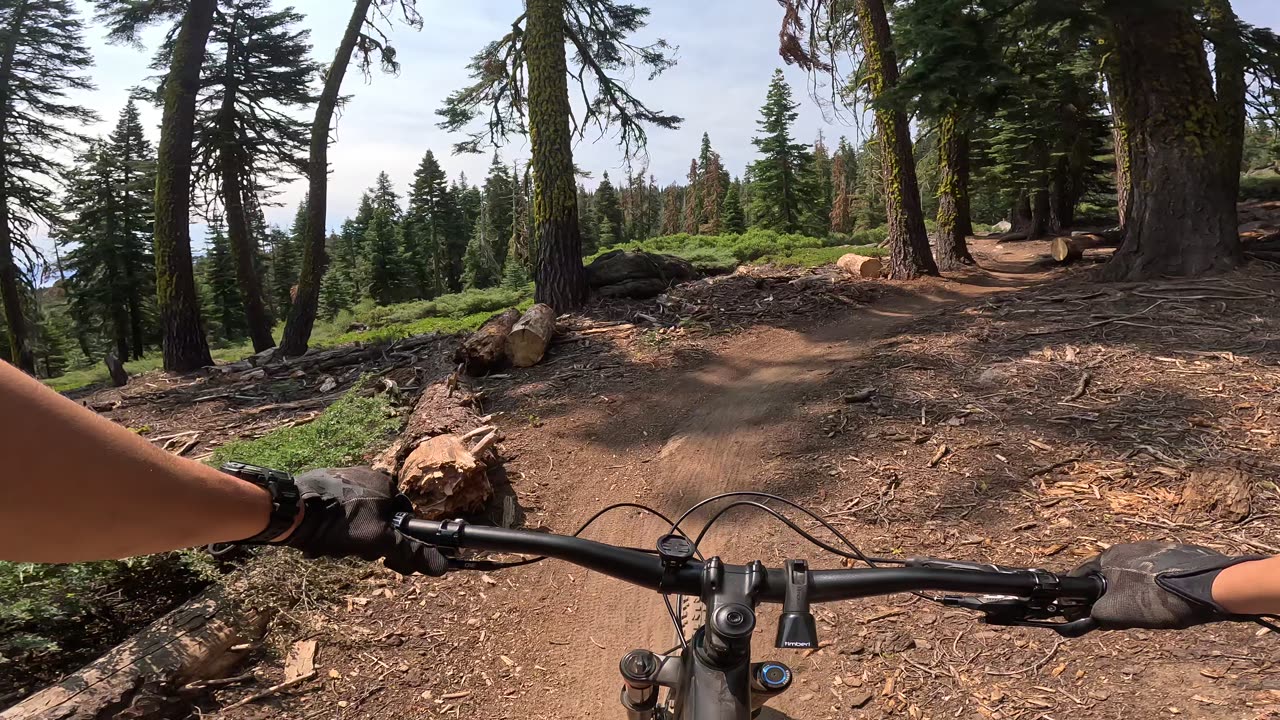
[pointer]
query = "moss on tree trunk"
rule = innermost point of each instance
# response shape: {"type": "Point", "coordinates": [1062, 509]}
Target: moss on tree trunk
{"type": "Point", "coordinates": [306, 302]}
{"type": "Point", "coordinates": [185, 345]}
{"type": "Point", "coordinates": [10, 279]}
{"type": "Point", "coordinates": [1182, 215]}
{"type": "Point", "coordinates": [909, 254]}
{"type": "Point", "coordinates": [561, 281]}
{"type": "Point", "coordinates": [953, 195]}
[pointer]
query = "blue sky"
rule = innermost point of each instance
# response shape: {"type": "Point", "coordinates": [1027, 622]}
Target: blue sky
{"type": "Point", "coordinates": [727, 51]}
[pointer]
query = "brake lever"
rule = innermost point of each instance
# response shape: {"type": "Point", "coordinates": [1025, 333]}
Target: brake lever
{"type": "Point", "coordinates": [1008, 611]}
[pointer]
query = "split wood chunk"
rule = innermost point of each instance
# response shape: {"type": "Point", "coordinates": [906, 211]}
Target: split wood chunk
{"type": "Point", "coordinates": [1066, 250]}
{"type": "Point", "coordinates": [445, 479]}
{"type": "Point", "coordinates": [1219, 494]}
{"type": "Point", "coordinates": [861, 266]}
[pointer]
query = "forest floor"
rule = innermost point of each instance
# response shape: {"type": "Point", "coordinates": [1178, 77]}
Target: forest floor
{"type": "Point", "coordinates": [1022, 414]}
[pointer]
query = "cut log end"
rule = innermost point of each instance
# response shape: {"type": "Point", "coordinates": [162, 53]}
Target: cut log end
{"type": "Point", "coordinates": [530, 336]}
{"type": "Point", "coordinates": [861, 266]}
{"type": "Point", "coordinates": [1066, 250]}
{"type": "Point", "coordinates": [486, 349]}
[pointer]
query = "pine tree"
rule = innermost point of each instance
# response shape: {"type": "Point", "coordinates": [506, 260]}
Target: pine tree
{"type": "Point", "coordinates": [692, 210]}
{"type": "Point", "coordinates": [462, 212]}
{"type": "Point", "coordinates": [535, 49]}
{"type": "Point", "coordinates": [426, 226]}
{"type": "Point", "coordinates": [366, 39]}
{"type": "Point", "coordinates": [136, 178]}
{"type": "Point", "coordinates": [285, 259]}
{"type": "Point", "coordinates": [820, 172]}
{"type": "Point", "coordinates": [732, 219]}
{"type": "Point", "coordinates": [481, 268]}
{"type": "Point", "coordinates": [844, 173]}
{"type": "Point", "coordinates": [226, 310]}
{"type": "Point", "coordinates": [257, 71]}
{"type": "Point", "coordinates": [672, 202]}
{"type": "Point", "coordinates": [784, 193]}
{"type": "Point", "coordinates": [610, 212]}
{"type": "Point", "coordinates": [389, 274]}
{"type": "Point", "coordinates": [42, 58]}
{"type": "Point", "coordinates": [499, 189]}
{"type": "Point", "coordinates": [589, 220]}
{"type": "Point", "coordinates": [713, 186]}
{"type": "Point", "coordinates": [336, 291]}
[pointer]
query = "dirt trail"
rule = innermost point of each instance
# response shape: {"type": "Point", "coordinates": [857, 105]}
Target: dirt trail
{"type": "Point", "coordinates": [733, 417]}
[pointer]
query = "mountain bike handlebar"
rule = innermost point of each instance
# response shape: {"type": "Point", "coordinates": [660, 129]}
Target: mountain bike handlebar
{"type": "Point", "coordinates": [650, 571]}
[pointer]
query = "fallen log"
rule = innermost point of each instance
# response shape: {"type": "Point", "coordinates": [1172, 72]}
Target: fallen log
{"type": "Point", "coordinates": [486, 349]}
{"type": "Point", "coordinates": [861, 266]}
{"type": "Point", "coordinates": [1065, 251]}
{"type": "Point", "coordinates": [530, 336]}
{"type": "Point", "coordinates": [191, 644]}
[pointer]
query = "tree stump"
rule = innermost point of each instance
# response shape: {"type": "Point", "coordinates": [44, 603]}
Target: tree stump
{"type": "Point", "coordinates": [486, 349]}
{"type": "Point", "coordinates": [530, 336]}
{"type": "Point", "coordinates": [115, 366]}
{"type": "Point", "coordinates": [861, 266]}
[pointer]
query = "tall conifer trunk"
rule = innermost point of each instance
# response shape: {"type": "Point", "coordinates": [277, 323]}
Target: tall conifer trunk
{"type": "Point", "coordinates": [1182, 216]}
{"type": "Point", "coordinates": [306, 302]}
{"type": "Point", "coordinates": [185, 345]}
{"type": "Point", "coordinates": [10, 278]}
{"type": "Point", "coordinates": [561, 279]}
{"type": "Point", "coordinates": [953, 195]}
{"type": "Point", "coordinates": [909, 253]}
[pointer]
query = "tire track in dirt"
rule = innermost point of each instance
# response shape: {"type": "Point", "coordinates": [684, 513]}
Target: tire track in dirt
{"type": "Point", "coordinates": [738, 408]}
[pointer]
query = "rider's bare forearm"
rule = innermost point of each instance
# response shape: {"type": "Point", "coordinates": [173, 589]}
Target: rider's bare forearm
{"type": "Point", "coordinates": [1251, 588]}
{"type": "Point", "coordinates": [75, 486]}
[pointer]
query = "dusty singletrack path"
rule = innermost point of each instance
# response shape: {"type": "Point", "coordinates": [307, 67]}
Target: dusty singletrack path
{"type": "Point", "coordinates": [727, 423]}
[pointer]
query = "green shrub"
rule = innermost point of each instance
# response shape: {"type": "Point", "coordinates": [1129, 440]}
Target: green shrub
{"type": "Point", "coordinates": [80, 608]}
{"type": "Point", "coordinates": [344, 434]}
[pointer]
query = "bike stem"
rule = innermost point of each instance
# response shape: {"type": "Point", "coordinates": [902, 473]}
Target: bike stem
{"type": "Point", "coordinates": [715, 679]}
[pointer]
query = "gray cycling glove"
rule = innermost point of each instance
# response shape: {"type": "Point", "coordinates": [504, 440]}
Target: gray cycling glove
{"type": "Point", "coordinates": [1159, 585]}
{"type": "Point", "coordinates": [348, 514]}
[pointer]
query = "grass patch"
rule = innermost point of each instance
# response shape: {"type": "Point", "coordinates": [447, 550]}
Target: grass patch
{"type": "Point", "coordinates": [817, 257]}
{"type": "Point", "coordinates": [456, 313]}
{"type": "Point", "coordinates": [717, 254]}
{"type": "Point", "coordinates": [1260, 185]}
{"type": "Point", "coordinates": [344, 434]}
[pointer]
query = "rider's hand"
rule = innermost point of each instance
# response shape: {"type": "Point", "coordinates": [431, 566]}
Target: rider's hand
{"type": "Point", "coordinates": [1158, 585]}
{"type": "Point", "coordinates": [348, 511]}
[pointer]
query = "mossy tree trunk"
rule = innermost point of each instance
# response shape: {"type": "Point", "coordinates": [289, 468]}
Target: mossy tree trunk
{"type": "Point", "coordinates": [306, 303]}
{"type": "Point", "coordinates": [231, 167]}
{"type": "Point", "coordinates": [185, 345]}
{"type": "Point", "coordinates": [1182, 215]}
{"type": "Point", "coordinates": [561, 281]}
{"type": "Point", "coordinates": [909, 253]}
{"type": "Point", "coordinates": [10, 278]}
{"type": "Point", "coordinates": [952, 251]}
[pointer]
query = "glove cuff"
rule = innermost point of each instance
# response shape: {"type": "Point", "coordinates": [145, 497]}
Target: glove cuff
{"type": "Point", "coordinates": [1195, 585]}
